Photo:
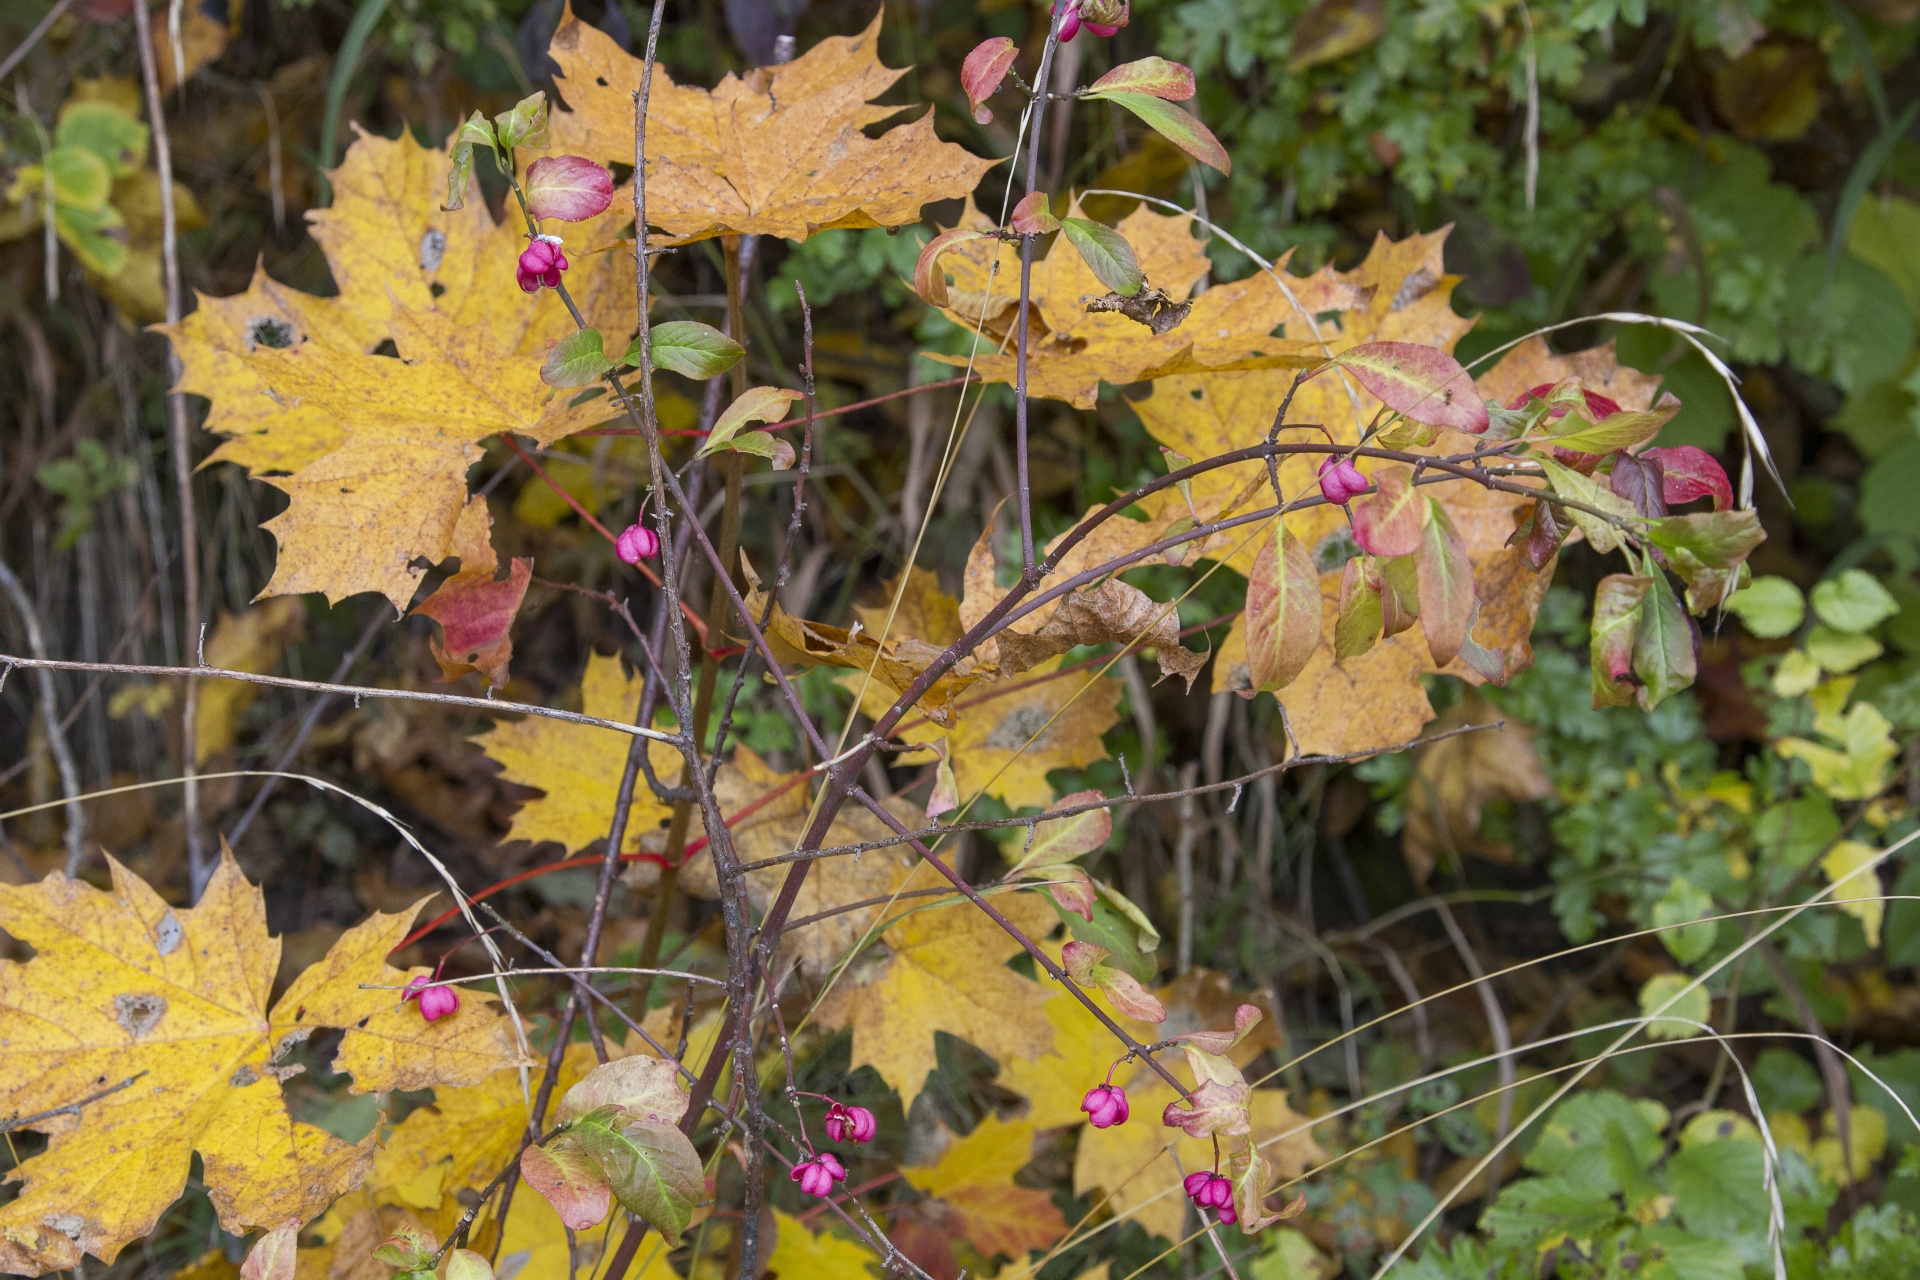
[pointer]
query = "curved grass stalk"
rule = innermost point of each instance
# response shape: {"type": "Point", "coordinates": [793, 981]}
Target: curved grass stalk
{"type": "Point", "coordinates": [1747, 945]}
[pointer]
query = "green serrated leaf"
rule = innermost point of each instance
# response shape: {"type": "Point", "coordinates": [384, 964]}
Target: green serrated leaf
{"type": "Point", "coordinates": [1173, 124]}
{"type": "Point", "coordinates": [1769, 607]}
{"type": "Point", "coordinates": [1853, 601]}
{"type": "Point", "coordinates": [108, 132]}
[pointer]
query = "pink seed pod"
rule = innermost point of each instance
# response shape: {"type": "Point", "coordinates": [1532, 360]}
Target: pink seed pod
{"type": "Point", "coordinates": [1105, 1105]}
{"type": "Point", "coordinates": [813, 1177]}
{"type": "Point", "coordinates": [636, 543]}
{"type": "Point", "coordinates": [1341, 481]}
{"type": "Point", "coordinates": [1210, 1191]}
{"type": "Point", "coordinates": [831, 1163]}
{"type": "Point", "coordinates": [435, 1002]}
{"type": "Point", "coordinates": [541, 263]}
{"type": "Point", "coordinates": [850, 1124]}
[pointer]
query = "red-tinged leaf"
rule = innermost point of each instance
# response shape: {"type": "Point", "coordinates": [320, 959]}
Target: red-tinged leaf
{"type": "Point", "coordinates": [1245, 1018]}
{"type": "Point", "coordinates": [1154, 76]}
{"type": "Point", "coordinates": [1399, 595]}
{"type": "Point", "coordinates": [1539, 534]}
{"type": "Point", "coordinates": [1387, 521]}
{"type": "Point", "coordinates": [1423, 383]}
{"type": "Point", "coordinates": [1213, 1108]}
{"type": "Point", "coordinates": [1446, 586]}
{"type": "Point", "coordinates": [1283, 610]}
{"type": "Point", "coordinates": [1638, 480]}
{"type": "Point", "coordinates": [1057, 839]}
{"type": "Point", "coordinates": [476, 614]}
{"type": "Point", "coordinates": [1666, 650]}
{"type": "Point", "coordinates": [1616, 623]}
{"type": "Point", "coordinates": [1360, 616]}
{"type": "Point", "coordinates": [570, 1181]}
{"type": "Point", "coordinates": [945, 796]}
{"type": "Point", "coordinates": [928, 280]}
{"type": "Point", "coordinates": [1080, 959]}
{"type": "Point", "coordinates": [570, 188]}
{"type": "Point", "coordinates": [1126, 994]}
{"type": "Point", "coordinates": [1071, 888]}
{"type": "Point", "coordinates": [272, 1255]}
{"type": "Point", "coordinates": [983, 71]}
{"type": "Point", "coordinates": [577, 360]}
{"type": "Point", "coordinates": [1621, 429]}
{"type": "Point", "coordinates": [1689, 473]}
{"type": "Point", "coordinates": [1032, 217]}
{"type": "Point", "coordinates": [465, 1264]}
{"type": "Point", "coordinates": [1173, 124]}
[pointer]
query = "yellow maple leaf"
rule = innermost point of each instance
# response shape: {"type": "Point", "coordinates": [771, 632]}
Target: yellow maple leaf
{"type": "Point", "coordinates": [123, 987]}
{"type": "Point", "coordinates": [974, 1176]}
{"type": "Point", "coordinates": [375, 449]}
{"type": "Point", "coordinates": [784, 151]}
{"type": "Point", "coordinates": [251, 640]}
{"type": "Point", "coordinates": [803, 1254]}
{"type": "Point", "coordinates": [1071, 350]}
{"type": "Point", "coordinates": [775, 828]}
{"type": "Point", "coordinates": [1401, 293]}
{"type": "Point", "coordinates": [1012, 733]}
{"type": "Point", "coordinates": [579, 767]}
{"type": "Point", "coordinates": [946, 972]}
{"type": "Point", "coordinates": [1135, 1162]}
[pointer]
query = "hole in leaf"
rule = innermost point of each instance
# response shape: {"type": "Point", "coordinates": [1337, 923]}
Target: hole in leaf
{"type": "Point", "coordinates": [386, 348]}
{"type": "Point", "coordinates": [269, 331]}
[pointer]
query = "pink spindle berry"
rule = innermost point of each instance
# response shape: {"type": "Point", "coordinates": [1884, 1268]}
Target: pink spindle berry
{"type": "Point", "coordinates": [850, 1124]}
{"type": "Point", "coordinates": [636, 543]}
{"type": "Point", "coordinates": [541, 263]}
{"type": "Point", "coordinates": [817, 1176]}
{"type": "Point", "coordinates": [1105, 1105]}
{"type": "Point", "coordinates": [1102, 17]}
{"type": "Point", "coordinates": [1341, 481]}
{"type": "Point", "coordinates": [1211, 1191]}
{"type": "Point", "coordinates": [435, 1002]}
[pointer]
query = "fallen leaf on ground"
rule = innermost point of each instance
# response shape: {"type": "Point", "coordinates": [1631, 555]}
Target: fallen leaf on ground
{"type": "Point", "coordinates": [1455, 779]}
{"type": "Point", "coordinates": [974, 1177]}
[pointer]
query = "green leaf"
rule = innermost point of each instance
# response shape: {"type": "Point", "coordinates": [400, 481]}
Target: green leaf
{"type": "Point", "coordinates": [1568, 483]}
{"type": "Point", "coordinates": [1173, 124]}
{"type": "Point", "coordinates": [81, 179]}
{"type": "Point", "coordinates": [1682, 903]}
{"type": "Point", "coordinates": [647, 1088]}
{"type": "Point", "coordinates": [1769, 607]}
{"type": "Point", "coordinates": [1663, 651]}
{"type": "Point", "coordinates": [1056, 840]}
{"type": "Point", "coordinates": [757, 404]}
{"type": "Point", "coordinates": [108, 132]}
{"type": "Point", "coordinates": [1786, 1081]}
{"type": "Point", "coordinates": [652, 1170]}
{"type": "Point", "coordinates": [576, 360]}
{"type": "Point", "coordinates": [689, 348]}
{"type": "Point", "coordinates": [1112, 931]}
{"type": "Point", "coordinates": [1107, 254]}
{"type": "Point", "coordinates": [1715, 539]}
{"type": "Point", "coordinates": [1853, 601]}
{"type": "Point", "coordinates": [98, 238]}
{"type": "Point", "coordinates": [1841, 651]}
{"type": "Point", "coordinates": [1360, 618]}
{"type": "Point", "coordinates": [1156, 77]}
{"type": "Point", "coordinates": [525, 125]}
{"type": "Point", "coordinates": [1617, 430]}
{"type": "Point", "coordinates": [1662, 994]}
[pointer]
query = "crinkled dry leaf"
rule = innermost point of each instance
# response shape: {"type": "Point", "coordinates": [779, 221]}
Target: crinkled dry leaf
{"type": "Point", "coordinates": [784, 151]}
{"type": "Point", "coordinates": [945, 971]}
{"type": "Point", "coordinates": [1110, 612]}
{"type": "Point", "coordinates": [579, 767]}
{"type": "Point", "coordinates": [1456, 778]}
{"type": "Point", "coordinates": [122, 986]}
{"type": "Point", "coordinates": [377, 448]}
{"type": "Point", "coordinates": [1072, 348]}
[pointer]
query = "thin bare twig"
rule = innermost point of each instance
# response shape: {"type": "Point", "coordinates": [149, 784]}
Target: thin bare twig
{"type": "Point", "coordinates": [50, 719]}
{"type": "Point", "coordinates": [14, 1123]}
